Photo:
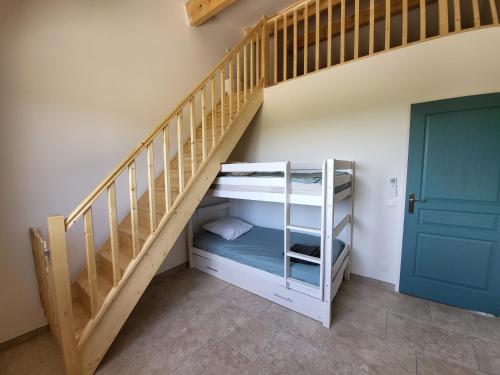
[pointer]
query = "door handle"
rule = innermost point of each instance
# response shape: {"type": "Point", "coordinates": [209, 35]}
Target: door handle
{"type": "Point", "coordinates": [411, 202]}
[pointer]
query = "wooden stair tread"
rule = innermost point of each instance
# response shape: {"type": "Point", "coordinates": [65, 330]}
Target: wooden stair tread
{"type": "Point", "coordinates": [124, 257]}
{"type": "Point", "coordinates": [104, 285]}
{"type": "Point", "coordinates": [127, 230]}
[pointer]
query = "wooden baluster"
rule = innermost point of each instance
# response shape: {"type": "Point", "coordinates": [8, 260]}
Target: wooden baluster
{"type": "Point", "coordinates": [238, 81]}
{"type": "Point", "coordinates": [316, 54]}
{"type": "Point", "coordinates": [275, 52]}
{"type": "Point", "coordinates": [212, 97]}
{"type": "Point", "coordinates": [423, 25]}
{"type": "Point", "coordinates": [134, 216]}
{"type": "Point", "coordinates": [251, 65]}
{"type": "Point", "coordinates": [257, 59]}
{"type": "Point", "coordinates": [387, 24]}
{"type": "Point", "coordinates": [285, 46]}
{"type": "Point", "coordinates": [404, 26]}
{"type": "Point", "coordinates": [494, 12]}
{"type": "Point", "coordinates": [342, 31]}
{"type": "Point", "coordinates": [230, 90]}
{"type": "Point", "coordinates": [475, 12]}
{"type": "Point", "coordinates": [306, 36]}
{"type": "Point", "coordinates": [166, 172]}
{"type": "Point", "coordinates": [203, 125]}
{"type": "Point", "coordinates": [356, 29]}
{"type": "Point", "coordinates": [192, 127]}
{"type": "Point", "coordinates": [457, 15]}
{"type": "Point", "coordinates": [265, 51]}
{"type": "Point", "coordinates": [222, 98]}
{"type": "Point", "coordinates": [113, 232]}
{"type": "Point", "coordinates": [180, 152]}
{"type": "Point", "coordinates": [62, 294]}
{"type": "Point", "coordinates": [371, 43]}
{"type": "Point", "coordinates": [245, 73]}
{"type": "Point", "coordinates": [329, 36]}
{"type": "Point", "coordinates": [295, 58]}
{"type": "Point", "coordinates": [443, 17]}
{"type": "Point", "coordinates": [91, 266]}
{"type": "Point", "coordinates": [151, 189]}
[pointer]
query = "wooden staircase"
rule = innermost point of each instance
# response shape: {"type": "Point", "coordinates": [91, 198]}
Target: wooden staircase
{"type": "Point", "coordinates": [86, 313]}
{"type": "Point", "coordinates": [80, 288]}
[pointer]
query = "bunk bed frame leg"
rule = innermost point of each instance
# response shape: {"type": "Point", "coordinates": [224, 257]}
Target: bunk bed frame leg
{"type": "Point", "coordinates": [327, 313]}
{"type": "Point", "coordinates": [347, 271]}
{"type": "Point", "coordinates": [329, 224]}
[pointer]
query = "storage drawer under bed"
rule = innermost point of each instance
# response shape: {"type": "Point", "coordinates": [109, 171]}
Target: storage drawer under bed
{"type": "Point", "coordinates": [261, 283]}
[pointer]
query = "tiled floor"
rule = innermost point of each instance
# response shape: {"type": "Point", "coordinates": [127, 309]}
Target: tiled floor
{"type": "Point", "coordinates": [191, 323]}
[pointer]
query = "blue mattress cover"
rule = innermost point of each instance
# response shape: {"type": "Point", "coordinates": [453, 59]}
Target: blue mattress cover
{"type": "Point", "coordinates": [263, 248]}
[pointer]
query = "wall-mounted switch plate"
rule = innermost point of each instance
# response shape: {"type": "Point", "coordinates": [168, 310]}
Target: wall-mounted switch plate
{"type": "Point", "coordinates": [393, 183]}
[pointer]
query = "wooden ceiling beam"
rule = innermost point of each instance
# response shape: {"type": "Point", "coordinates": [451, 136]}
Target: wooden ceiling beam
{"type": "Point", "coordinates": [199, 11]}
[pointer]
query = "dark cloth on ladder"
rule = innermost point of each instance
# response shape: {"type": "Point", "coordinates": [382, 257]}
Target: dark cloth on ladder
{"type": "Point", "coordinates": [311, 250]}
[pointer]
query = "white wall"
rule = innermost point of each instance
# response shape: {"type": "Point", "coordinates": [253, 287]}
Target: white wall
{"type": "Point", "coordinates": [81, 83]}
{"type": "Point", "coordinates": [361, 111]}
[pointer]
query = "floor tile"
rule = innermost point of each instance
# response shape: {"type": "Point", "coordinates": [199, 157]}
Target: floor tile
{"type": "Point", "coordinates": [253, 337]}
{"type": "Point", "coordinates": [226, 318]}
{"type": "Point", "coordinates": [135, 356]}
{"type": "Point", "coordinates": [308, 359]}
{"type": "Point", "coordinates": [369, 353]}
{"type": "Point", "coordinates": [370, 319]}
{"type": "Point", "coordinates": [38, 356]}
{"type": "Point", "coordinates": [295, 324]}
{"type": "Point", "coordinates": [465, 322]}
{"type": "Point", "coordinates": [488, 356]}
{"type": "Point", "coordinates": [431, 366]}
{"type": "Point", "coordinates": [216, 358]}
{"type": "Point", "coordinates": [244, 300]}
{"type": "Point", "coordinates": [398, 303]}
{"type": "Point", "coordinates": [430, 340]}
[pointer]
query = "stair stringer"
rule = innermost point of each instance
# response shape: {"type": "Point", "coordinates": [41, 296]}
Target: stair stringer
{"type": "Point", "coordinates": [102, 330]}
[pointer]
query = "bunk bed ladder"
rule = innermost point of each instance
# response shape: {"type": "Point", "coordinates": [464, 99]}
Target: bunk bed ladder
{"type": "Point", "coordinates": [288, 254]}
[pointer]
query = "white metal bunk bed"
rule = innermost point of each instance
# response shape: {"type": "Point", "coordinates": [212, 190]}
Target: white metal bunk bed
{"type": "Point", "coordinates": [322, 184]}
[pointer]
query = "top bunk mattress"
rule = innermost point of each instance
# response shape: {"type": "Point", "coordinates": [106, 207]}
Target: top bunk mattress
{"type": "Point", "coordinates": [272, 182]}
{"type": "Point", "coordinates": [262, 248]}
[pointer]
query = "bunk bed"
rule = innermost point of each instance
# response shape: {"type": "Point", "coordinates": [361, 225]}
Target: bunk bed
{"type": "Point", "coordinates": [261, 260]}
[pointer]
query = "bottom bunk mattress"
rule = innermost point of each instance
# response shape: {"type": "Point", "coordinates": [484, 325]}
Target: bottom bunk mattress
{"type": "Point", "coordinates": [262, 248]}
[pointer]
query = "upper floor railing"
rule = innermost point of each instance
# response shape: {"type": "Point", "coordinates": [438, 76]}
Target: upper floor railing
{"type": "Point", "coordinates": [315, 34]}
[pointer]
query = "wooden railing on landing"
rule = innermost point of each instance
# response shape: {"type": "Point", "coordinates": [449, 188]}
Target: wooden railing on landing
{"type": "Point", "coordinates": [313, 35]}
{"type": "Point", "coordinates": [221, 96]}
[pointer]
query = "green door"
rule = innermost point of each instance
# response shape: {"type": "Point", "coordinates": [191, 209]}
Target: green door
{"type": "Point", "coordinates": [451, 236]}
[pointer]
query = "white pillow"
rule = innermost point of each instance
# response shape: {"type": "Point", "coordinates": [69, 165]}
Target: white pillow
{"type": "Point", "coordinates": [228, 227]}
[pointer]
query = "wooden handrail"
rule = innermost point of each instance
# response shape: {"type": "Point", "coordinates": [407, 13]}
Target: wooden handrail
{"type": "Point", "coordinates": [107, 182]}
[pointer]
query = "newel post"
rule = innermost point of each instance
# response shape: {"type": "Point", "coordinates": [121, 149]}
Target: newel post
{"type": "Point", "coordinates": [62, 293]}
{"type": "Point", "coordinates": [265, 51]}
